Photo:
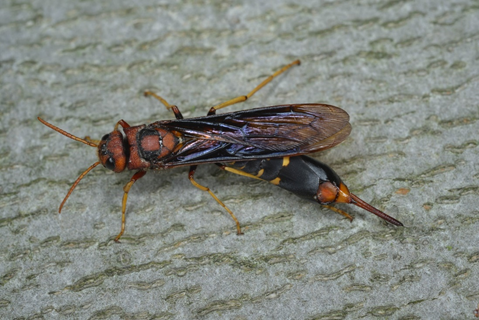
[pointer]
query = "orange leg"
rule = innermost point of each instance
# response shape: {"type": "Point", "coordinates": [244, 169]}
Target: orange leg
{"type": "Point", "coordinates": [196, 184]}
{"type": "Point", "coordinates": [239, 99]}
{"type": "Point", "coordinates": [126, 189]}
{"type": "Point", "coordinates": [261, 85]}
{"type": "Point", "coordinates": [339, 211]}
{"type": "Point", "coordinates": [173, 108]}
{"type": "Point", "coordinates": [122, 123]}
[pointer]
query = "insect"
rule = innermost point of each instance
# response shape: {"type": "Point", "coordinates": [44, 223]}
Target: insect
{"type": "Point", "coordinates": [267, 143]}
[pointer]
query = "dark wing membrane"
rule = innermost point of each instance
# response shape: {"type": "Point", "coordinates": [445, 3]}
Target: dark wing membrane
{"type": "Point", "coordinates": [259, 133]}
{"type": "Point", "coordinates": [304, 128]}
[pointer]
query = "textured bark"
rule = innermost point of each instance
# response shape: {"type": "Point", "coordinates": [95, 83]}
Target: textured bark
{"type": "Point", "coordinates": [407, 73]}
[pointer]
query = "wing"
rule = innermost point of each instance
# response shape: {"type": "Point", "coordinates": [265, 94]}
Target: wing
{"type": "Point", "coordinates": [275, 131]}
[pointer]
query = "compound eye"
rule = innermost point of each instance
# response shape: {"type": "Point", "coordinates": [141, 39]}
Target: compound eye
{"type": "Point", "coordinates": [110, 163]}
{"type": "Point", "coordinates": [105, 137]}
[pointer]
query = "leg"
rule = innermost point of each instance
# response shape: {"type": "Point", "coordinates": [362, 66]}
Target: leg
{"type": "Point", "coordinates": [127, 188]}
{"type": "Point", "coordinates": [196, 184]}
{"type": "Point", "coordinates": [174, 108]}
{"type": "Point", "coordinates": [236, 171]}
{"type": "Point", "coordinates": [261, 85]}
{"type": "Point", "coordinates": [339, 211]}
{"type": "Point", "coordinates": [121, 123]}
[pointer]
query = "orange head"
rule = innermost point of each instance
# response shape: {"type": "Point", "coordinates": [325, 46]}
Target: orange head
{"type": "Point", "coordinates": [111, 152]}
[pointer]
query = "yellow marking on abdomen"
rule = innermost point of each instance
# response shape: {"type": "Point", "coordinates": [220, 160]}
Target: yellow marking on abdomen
{"type": "Point", "coordinates": [276, 181]}
{"type": "Point", "coordinates": [260, 173]}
